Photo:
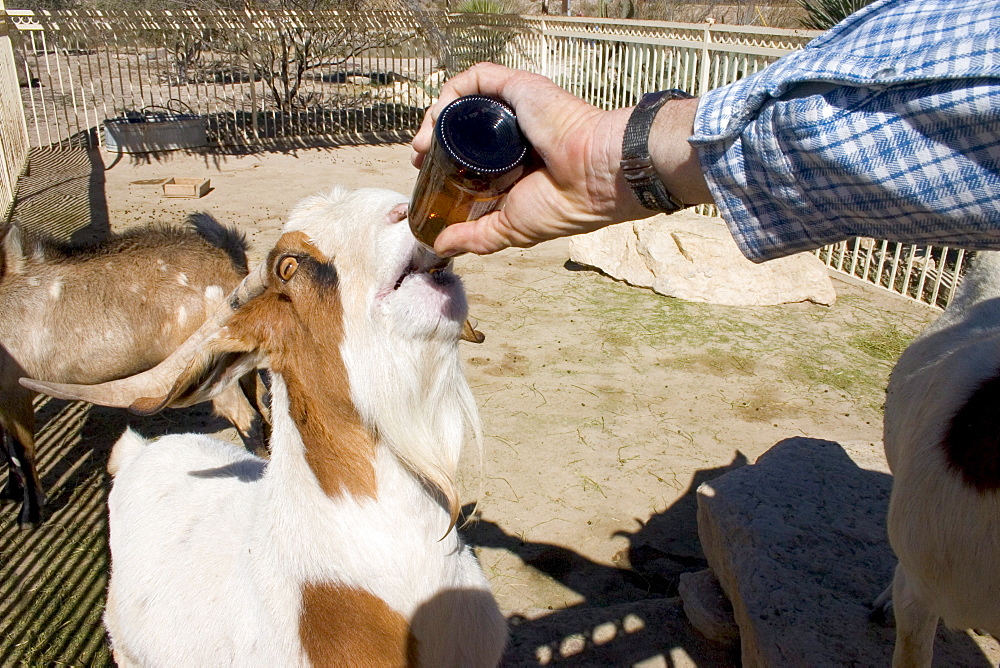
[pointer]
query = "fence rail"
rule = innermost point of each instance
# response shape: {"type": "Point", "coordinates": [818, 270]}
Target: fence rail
{"type": "Point", "coordinates": [13, 131]}
{"type": "Point", "coordinates": [262, 75]}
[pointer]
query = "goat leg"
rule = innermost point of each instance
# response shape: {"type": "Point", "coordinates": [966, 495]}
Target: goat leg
{"type": "Point", "coordinates": [881, 612]}
{"type": "Point", "coordinates": [916, 625]}
{"type": "Point", "coordinates": [257, 393]}
{"type": "Point", "coordinates": [234, 405]}
{"type": "Point", "coordinates": [13, 490]}
{"type": "Point", "coordinates": [23, 477]}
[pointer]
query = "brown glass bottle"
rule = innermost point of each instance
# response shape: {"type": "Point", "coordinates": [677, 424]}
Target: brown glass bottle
{"type": "Point", "coordinates": [477, 154]}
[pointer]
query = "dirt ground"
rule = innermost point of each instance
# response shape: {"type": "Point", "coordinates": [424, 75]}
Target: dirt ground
{"type": "Point", "coordinates": [604, 406]}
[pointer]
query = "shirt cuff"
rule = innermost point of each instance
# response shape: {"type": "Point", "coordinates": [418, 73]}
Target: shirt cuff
{"type": "Point", "coordinates": [750, 179]}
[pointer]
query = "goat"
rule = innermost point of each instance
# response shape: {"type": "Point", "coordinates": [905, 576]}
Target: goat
{"type": "Point", "coordinates": [92, 314]}
{"type": "Point", "coordinates": [942, 441]}
{"type": "Point", "coordinates": [340, 549]}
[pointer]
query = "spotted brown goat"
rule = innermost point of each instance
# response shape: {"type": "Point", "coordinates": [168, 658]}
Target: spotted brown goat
{"type": "Point", "coordinates": [89, 314]}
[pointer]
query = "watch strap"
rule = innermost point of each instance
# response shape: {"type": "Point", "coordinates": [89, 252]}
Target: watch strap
{"type": "Point", "coordinates": [636, 163]}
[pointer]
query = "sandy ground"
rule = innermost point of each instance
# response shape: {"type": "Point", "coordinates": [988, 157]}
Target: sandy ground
{"type": "Point", "coordinates": [604, 406]}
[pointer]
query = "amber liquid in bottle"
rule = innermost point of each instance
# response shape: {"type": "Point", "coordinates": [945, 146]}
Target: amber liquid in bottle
{"type": "Point", "coordinates": [477, 154]}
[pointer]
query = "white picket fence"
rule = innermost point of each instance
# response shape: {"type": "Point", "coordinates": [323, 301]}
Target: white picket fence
{"type": "Point", "coordinates": [377, 72]}
{"type": "Point", "coordinates": [611, 63]}
{"type": "Point", "coordinates": [13, 131]}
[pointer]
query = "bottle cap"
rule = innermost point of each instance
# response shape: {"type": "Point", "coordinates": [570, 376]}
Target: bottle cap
{"type": "Point", "coordinates": [481, 135]}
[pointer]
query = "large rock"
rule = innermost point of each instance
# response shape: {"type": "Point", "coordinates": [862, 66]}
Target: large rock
{"type": "Point", "coordinates": [694, 257]}
{"type": "Point", "coordinates": [797, 542]}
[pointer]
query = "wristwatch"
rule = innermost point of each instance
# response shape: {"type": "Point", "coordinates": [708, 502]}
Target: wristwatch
{"type": "Point", "coordinates": [636, 163]}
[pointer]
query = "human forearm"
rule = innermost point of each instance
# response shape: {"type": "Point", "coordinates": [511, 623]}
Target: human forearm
{"type": "Point", "coordinates": [915, 163]}
{"type": "Point", "coordinates": [675, 160]}
{"type": "Point", "coordinates": [868, 131]}
{"type": "Point", "coordinates": [580, 186]}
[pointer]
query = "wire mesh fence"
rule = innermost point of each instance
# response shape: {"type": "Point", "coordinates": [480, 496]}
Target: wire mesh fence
{"type": "Point", "coordinates": [252, 75]}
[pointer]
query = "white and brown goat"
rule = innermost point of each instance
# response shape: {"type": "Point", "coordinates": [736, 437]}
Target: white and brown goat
{"type": "Point", "coordinates": [96, 313]}
{"type": "Point", "coordinates": [340, 549]}
{"type": "Point", "coordinates": [942, 441]}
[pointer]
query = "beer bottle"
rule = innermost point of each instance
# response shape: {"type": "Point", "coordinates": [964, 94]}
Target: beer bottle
{"type": "Point", "coordinates": [477, 154]}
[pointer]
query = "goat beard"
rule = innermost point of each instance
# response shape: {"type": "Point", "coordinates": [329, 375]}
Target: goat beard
{"type": "Point", "coordinates": [413, 394]}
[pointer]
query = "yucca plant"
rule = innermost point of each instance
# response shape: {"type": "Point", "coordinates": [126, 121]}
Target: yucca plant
{"type": "Point", "coordinates": [472, 42]}
{"type": "Point", "coordinates": [824, 14]}
{"type": "Point", "coordinates": [483, 7]}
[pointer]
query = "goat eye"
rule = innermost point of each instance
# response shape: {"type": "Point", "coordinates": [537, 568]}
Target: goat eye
{"type": "Point", "coordinates": [287, 267]}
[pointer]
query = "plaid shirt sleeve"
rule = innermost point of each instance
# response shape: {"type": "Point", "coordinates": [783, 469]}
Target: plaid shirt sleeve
{"type": "Point", "coordinates": [886, 126]}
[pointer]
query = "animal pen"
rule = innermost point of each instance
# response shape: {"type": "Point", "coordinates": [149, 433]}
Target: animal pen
{"type": "Point", "coordinates": [266, 77]}
{"type": "Point", "coordinates": [261, 79]}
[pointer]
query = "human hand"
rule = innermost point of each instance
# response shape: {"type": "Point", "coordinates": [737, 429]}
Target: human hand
{"type": "Point", "coordinates": [578, 188]}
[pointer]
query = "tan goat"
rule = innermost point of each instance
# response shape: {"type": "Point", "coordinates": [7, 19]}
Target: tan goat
{"type": "Point", "coordinates": [88, 315]}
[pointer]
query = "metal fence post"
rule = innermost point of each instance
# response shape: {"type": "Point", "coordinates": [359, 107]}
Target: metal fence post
{"type": "Point", "coordinates": [7, 186]}
{"type": "Point", "coordinates": [545, 52]}
{"type": "Point", "coordinates": [251, 71]}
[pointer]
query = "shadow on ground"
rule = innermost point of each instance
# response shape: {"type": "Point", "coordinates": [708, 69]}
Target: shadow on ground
{"type": "Point", "coordinates": [631, 612]}
{"type": "Point", "coordinates": [53, 578]}
{"type": "Point", "coordinates": [62, 195]}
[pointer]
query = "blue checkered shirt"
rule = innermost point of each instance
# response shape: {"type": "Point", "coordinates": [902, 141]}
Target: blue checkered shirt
{"type": "Point", "coordinates": [886, 126]}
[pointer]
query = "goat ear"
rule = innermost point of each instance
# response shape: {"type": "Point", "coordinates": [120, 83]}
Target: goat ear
{"type": "Point", "coordinates": [470, 333]}
{"type": "Point", "coordinates": [398, 213]}
{"type": "Point", "coordinates": [225, 361]}
{"type": "Point", "coordinates": [13, 252]}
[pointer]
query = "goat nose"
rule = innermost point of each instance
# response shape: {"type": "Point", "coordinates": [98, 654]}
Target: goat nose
{"type": "Point", "coordinates": [398, 213]}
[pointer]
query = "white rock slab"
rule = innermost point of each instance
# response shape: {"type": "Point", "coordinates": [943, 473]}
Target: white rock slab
{"type": "Point", "coordinates": [797, 541]}
{"type": "Point", "coordinates": [694, 257]}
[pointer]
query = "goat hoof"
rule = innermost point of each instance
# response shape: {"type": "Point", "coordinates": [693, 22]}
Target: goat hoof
{"type": "Point", "coordinates": [31, 514]}
{"type": "Point", "coordinates": [883, 615]}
